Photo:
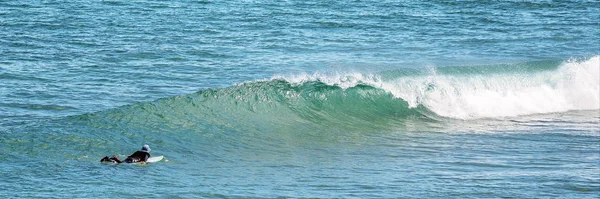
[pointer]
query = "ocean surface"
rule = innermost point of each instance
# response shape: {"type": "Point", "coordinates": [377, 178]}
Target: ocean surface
{"type": "Point", "coordinates": [300, 99]}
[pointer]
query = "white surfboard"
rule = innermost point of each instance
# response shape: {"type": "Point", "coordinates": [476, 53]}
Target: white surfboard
{"type": "Point", "coordinates": [155, 159]}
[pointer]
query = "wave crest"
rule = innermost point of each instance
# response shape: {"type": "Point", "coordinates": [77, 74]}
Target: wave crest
{"type": "Point", "coordinates": [485, 91]}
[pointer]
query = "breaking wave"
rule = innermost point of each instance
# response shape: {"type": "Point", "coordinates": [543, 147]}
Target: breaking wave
{"type": "Point", "coordinates": [384, 98]}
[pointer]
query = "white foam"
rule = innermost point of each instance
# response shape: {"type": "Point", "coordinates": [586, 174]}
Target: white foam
{"type": "Point", "coordinates": [343, 80]}
{"type": "Point", "coordinates": [574, 86]}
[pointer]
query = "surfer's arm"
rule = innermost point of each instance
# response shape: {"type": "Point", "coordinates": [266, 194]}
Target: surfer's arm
{"type": "Point", "coordinates": [145, 157]}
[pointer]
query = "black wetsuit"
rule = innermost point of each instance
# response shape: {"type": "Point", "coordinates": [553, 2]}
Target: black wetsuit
{"type": "Point", "coordinates": [138, 156]}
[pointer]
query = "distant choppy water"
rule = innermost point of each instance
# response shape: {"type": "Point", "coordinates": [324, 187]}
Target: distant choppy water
{"type": "Point", "coordinates": [307, 99]}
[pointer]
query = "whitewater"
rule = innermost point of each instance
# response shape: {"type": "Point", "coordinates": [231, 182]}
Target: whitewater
{"type": "Point", "coordinates": [300, 99]}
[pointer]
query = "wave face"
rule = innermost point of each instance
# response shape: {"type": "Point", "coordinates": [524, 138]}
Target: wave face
{"type": "Point", "coordinates": [268, 105]}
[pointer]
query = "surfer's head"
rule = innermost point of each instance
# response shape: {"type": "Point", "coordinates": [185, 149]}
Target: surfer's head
{"type": "Point", "coordinates": [146, 148]}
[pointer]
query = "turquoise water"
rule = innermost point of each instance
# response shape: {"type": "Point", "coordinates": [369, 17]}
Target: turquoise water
{"type": "Point", "coordinates": [301, 99]}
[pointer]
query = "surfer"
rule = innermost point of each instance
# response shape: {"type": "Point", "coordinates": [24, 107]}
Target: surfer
{"type": "Point", "coordinates": [140, 156]}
